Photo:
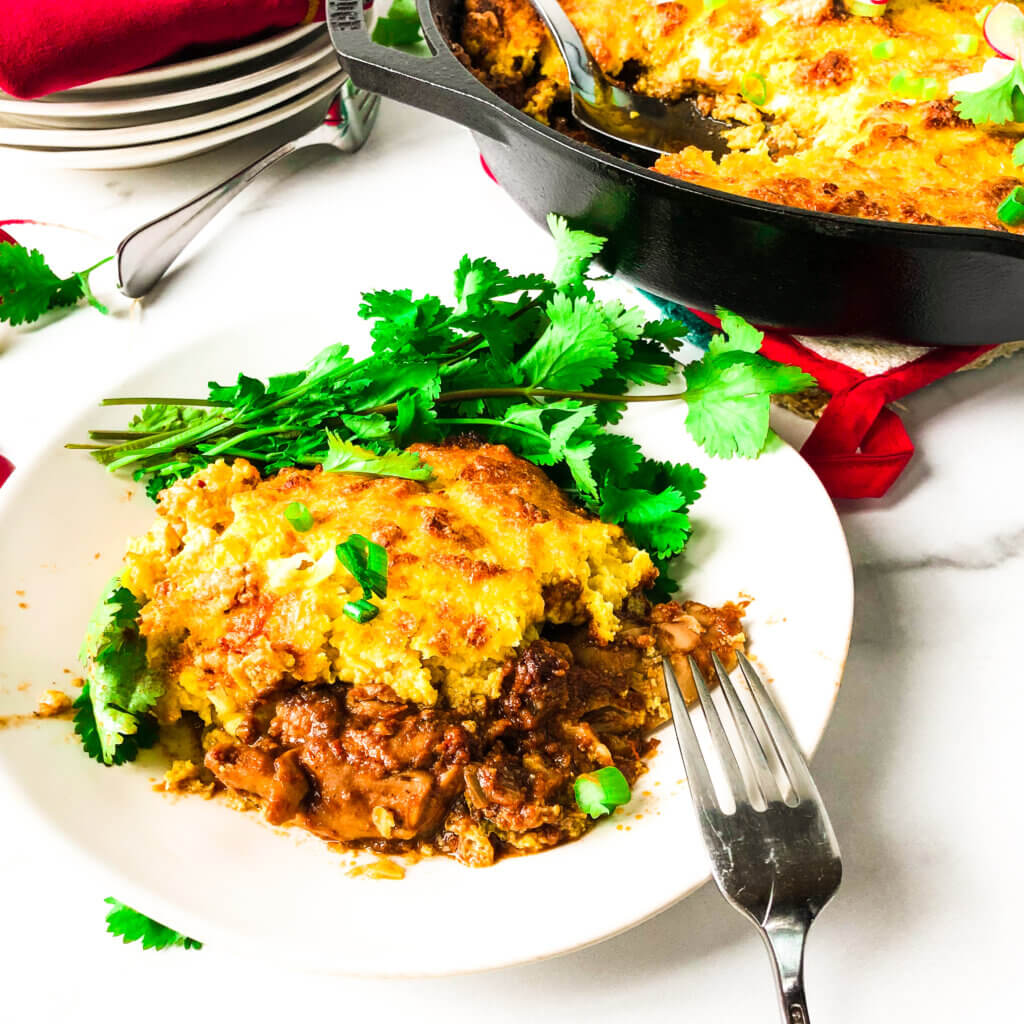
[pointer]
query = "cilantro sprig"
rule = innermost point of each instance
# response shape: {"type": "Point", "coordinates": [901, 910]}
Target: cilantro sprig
{"type": "Point", "coordinates": [540, 363]}
{"type": "Point", "coordinates": [132, 926]}
{"type": "Point", "coordinates": [29, 287]}
{"type": "Point", "coordinates": [998, 103]}
{"type": "Point", "coordinates": [112, 716]}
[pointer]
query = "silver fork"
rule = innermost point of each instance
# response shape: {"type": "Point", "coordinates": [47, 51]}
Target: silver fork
{"type": "Point", "coordinates": [144, 256]}
{"type": "Point", "coordinates": [773, 855]}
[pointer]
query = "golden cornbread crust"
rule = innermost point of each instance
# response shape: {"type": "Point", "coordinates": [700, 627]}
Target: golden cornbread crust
{"type": "Point", "coordinates": [514, 650]}
{"type": "Point", "coordinates": [479, 557]}
{"type": "Point", "coordinates": [832, 136]}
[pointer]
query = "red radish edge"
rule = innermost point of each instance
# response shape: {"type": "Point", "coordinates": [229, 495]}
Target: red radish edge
{"type": "Point", "coordinates": [1004, 29]}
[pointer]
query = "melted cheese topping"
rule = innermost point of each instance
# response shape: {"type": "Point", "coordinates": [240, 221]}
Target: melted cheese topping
{"type": "Point", "coordinates": [239, 604]}
{"type": "Point", "coordinates": [832, 135]}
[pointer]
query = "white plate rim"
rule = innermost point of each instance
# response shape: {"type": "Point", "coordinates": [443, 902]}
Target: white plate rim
{"type": "Point", "coordinates": [89, 108]}
{"type": "Point", "coordinates": [163, 131]}
{"type": "Point", "coordinates": [200, 65]}
{"type": "Point", "coordinates": [181, 920]}
{"type": "Point", "coordinates": [174, 149]}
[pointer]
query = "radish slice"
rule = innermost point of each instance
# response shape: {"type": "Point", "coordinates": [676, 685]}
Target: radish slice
{"type": "Point", "coordinates": [994, 70]}
{"type": "Point", "coordinates": [1004, 29]}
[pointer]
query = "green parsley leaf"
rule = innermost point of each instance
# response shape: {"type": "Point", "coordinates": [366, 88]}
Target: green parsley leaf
{"type": "Point", "coordinates": [345, 457]}
{"type": "Point", "coordinates": [600, 792]}
{"type": "Point", "coordinates": [120, 691]}
{"type": "Point", "coordinates": [400, 26]}
{"type": "Point", "coordinates": [133, 926]}
{"type": "Point", "coordinates": [1001, 102]}
{"type": "Point", "coordinates": [574, 251]}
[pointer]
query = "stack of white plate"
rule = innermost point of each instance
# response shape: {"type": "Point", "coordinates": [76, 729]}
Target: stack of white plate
{"type": "Point", "coordinates": [175, 110]}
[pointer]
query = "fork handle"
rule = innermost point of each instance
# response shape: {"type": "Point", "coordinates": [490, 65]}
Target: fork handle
{"type": "Point", "coordinates": [144, 256]}
{"type": "Point", "coordinates": [786, 941]}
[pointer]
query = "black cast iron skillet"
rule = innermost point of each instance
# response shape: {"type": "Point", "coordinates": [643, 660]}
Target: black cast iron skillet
{"type": "Point", "coordinates": [798, 270]}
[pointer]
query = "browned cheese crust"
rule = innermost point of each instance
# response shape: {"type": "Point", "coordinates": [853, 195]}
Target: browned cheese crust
{"type": "Point", "coordinates": [833, 134]}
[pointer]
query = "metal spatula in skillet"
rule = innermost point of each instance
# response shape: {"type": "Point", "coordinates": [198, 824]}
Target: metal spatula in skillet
{"type": "Point", "coordinates": [628, 117]}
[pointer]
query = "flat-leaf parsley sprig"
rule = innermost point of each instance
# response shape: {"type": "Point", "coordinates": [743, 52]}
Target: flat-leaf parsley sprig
{"type": "Point", "coordinates": [540, 363]}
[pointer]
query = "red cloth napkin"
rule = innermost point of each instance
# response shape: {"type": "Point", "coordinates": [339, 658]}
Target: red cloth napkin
{"type": "Point", "coordinates": [47, 45]}
{"type": "Point", "coordinates": [860, 446]}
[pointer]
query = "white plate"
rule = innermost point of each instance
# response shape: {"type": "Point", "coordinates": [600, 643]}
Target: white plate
{"type": "Point", "coordinates": [162, 130]}
{"type": "Point", "coordinates": [166, 73]}
{"type": "Point", "coordinates": [763, 528]}
{"type": "Point", "coordinates": [100, 112]}
{"type": "Point", "coordinates": [175, 149]}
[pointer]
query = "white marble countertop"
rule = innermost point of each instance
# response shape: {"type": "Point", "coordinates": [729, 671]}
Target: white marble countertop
{"type": "Point", "coordinates": [917, 767]}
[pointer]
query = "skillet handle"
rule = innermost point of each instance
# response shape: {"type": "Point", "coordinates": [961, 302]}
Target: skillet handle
{"type": "Point", "coordinates": [439, 83]}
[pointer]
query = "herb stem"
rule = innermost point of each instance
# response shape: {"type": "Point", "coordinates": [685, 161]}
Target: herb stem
{"type": "Point", "coordinates": [582, 396]}
{"type": "Point", "coordinates": [166, 401]}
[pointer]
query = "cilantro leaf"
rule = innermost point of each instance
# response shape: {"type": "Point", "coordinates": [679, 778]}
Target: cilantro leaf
{"type": "Point", "coordinates": [400, 26]}
{"type": "Point", "coordinates": [574, 251]}
{"type": "Point", "coordinates": [998, 103]}
{"type": "Point", "coordinates": [577, 345]}
{"type": "Point", "coordinates": [29, 287]}
{"type": "Point", "coordinates": [655, 521]}
{"type": "Point", "coordinates": [133, 926]}
{"type": "Point", "coordinates": [120, 691]}
{"type": "Point", "coordinates": [729, 396]}
{"type": "Point", "coordinates": [345, 457]}
{"type": "Point", "coordinates": [739, 335]}
{"type": "Point", "coordinates": [480, 278]}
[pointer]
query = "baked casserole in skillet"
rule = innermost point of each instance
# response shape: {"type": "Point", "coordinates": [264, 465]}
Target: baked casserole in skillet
{"type": "Point", "coordinates": [829, 109]}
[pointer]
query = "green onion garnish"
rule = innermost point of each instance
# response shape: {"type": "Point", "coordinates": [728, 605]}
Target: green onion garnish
{"type": "Point", "coordinates": [983, 14]}
{"type": "Point", "coordinates": [1011, 209]}
{"type": "Point", "coordinates": [599, 793]}
{"type": "Point", "coordinates": [914, 88]}
{"type": "Point", "coordinates": [713, 5]}
{"type": "Point", "coordinates": [300, 518]}
{"type": "Point", "coordinates": [361, 611]}
{"type": "Point", "coordinates": [367, 562]}
{"type": "Point", "coordinates": [867, 10]}
{"type": "Point", "coordinates": [966, 44]}
{"type": "Point", "coordinates": [883, 50]}
{"type": "Point", "coordinates": [754, 88]}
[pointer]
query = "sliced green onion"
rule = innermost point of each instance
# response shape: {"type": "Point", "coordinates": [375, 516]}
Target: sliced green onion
{"type": "Point", "coordinates": [754, 88]}
{"type": "Point", "coordinates": [867, 10]}
{"type": "Point", "coordinates": [713, 5]}
{"type": "Point", "coordinates": [983, 14]}
{"type": "Point", "coordinates": [1018, 153]}
{"type": "Point", "coordinates": [883, 50]}
{"type": "Point", "coordinates": [300, 518]}
{"type": "Point", "coordinates": [599, 793]}
{"type": "Point", "coordinates": [1011, 209]}
{"type": "Point", "coordinates": [367, 562]}
{"type": "Point", "coordinates": [966, 44]}
{"type": "Point", "coordinates": [915, 88]}
{"type": "Point", "coordinates": [361, 611]}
